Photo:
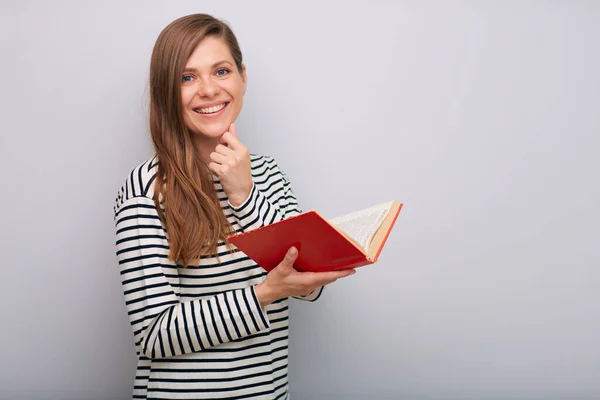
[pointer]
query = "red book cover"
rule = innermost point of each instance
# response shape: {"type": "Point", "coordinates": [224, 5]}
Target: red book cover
{"type": "Point", "coordinates": [321, 247]}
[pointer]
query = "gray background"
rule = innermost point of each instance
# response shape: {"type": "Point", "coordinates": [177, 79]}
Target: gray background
{"type": "Point", "coordinates": [481, 117]}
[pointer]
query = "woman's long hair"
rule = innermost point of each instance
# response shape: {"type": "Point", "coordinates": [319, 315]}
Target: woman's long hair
{"type": "Point", "coordinates": [191, 213]}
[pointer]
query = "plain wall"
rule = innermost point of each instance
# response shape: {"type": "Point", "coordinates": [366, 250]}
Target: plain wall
{"type": "Point", "coordinates": [481, 117]}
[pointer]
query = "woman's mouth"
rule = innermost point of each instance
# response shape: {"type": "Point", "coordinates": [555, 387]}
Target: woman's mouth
{"type": "Point", "coordinates": [212, 109]}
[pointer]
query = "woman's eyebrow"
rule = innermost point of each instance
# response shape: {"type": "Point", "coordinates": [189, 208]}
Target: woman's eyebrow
{"type": "Point", "coordinates": [215, 65]}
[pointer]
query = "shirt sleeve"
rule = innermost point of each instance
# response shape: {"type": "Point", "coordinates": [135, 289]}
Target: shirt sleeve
{"type": "Point", "coordinates": [163, 326]}
{"type": "Point", "coordinates": [274, 203]}
{"type": "Point", "coordinates": [312, 296]}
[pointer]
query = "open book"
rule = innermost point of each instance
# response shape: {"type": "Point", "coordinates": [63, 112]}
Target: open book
{"type": "Point", "coordinates": [348, 241]}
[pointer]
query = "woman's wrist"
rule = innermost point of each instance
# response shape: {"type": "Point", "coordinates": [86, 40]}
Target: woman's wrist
{"type": "Point", "coordinates": [265, 294]}
{"type": "Point", "coordinates": [238, 199]}
{"type": "Point", "coordinates": [241, 196]}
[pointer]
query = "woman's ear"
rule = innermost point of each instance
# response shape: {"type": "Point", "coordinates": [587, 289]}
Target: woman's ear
{"type": "Point", "coordinates": [244, 79]}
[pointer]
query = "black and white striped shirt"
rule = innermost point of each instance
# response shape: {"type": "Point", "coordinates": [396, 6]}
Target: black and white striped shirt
{"type": "Point", "coordinates": [200, 332]}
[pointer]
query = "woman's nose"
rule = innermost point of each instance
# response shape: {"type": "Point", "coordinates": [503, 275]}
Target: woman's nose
{"type": "Point", "coordinates": [208, 88]}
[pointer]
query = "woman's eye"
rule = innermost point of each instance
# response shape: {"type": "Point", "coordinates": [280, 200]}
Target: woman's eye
{"type": "Point", "coordinates": [187, 78]}
{"type": "Point", "coordinates": [222, 72]}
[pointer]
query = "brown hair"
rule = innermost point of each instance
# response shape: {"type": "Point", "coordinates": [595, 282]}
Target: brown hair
{"type": "Point", "coordinates": [192, 215]}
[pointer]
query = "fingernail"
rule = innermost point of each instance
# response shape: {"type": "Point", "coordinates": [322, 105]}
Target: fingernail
{"type": "Point", "coordinates": [293, 251]}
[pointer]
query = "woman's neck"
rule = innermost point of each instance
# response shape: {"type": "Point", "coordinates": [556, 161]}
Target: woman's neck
{"type": "Point", "coordinates": [204, 147]}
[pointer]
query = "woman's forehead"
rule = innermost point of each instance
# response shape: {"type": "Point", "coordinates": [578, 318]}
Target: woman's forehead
{"type": "Point", "coordinates": [210, 52]}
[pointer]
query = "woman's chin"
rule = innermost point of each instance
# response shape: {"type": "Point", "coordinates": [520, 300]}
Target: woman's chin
{"type": "Point", "coordinates": [210, 133]}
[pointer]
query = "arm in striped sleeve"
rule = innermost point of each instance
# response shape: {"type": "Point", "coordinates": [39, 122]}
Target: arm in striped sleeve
{"type": "Point", "coordinates": [276, 203]}
{"type": "Point", "coordinates": [262, 209]}
{"type": "Point", "coordinates": [164, 326]}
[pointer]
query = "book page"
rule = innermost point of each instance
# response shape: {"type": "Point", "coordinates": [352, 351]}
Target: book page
{"type": "Point", "coordinates": [361, 225]}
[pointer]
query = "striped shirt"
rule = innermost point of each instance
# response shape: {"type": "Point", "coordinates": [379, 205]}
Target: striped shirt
{"type": "Point", "coordinates": [200, 332]}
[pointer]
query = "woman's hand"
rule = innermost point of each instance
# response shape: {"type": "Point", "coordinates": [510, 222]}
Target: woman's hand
{"type": "Point", "coordinates": [231, 163]}
{"type": "Point", "coordinates": [285, 281]}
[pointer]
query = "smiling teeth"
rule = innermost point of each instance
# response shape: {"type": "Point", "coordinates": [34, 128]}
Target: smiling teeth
{"type": "Point", "coordinates": [210, 110]}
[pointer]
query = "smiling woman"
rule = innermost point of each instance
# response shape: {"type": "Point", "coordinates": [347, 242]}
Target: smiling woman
{"type": "Point", "coordinates": [207, 321]}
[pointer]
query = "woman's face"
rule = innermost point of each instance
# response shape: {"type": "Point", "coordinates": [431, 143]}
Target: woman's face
{"type": "Point", "coordinates": [212, 90]}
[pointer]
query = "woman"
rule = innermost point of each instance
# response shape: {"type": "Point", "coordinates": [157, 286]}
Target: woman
{"type": "Point", "coordinates": [207, 321]}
